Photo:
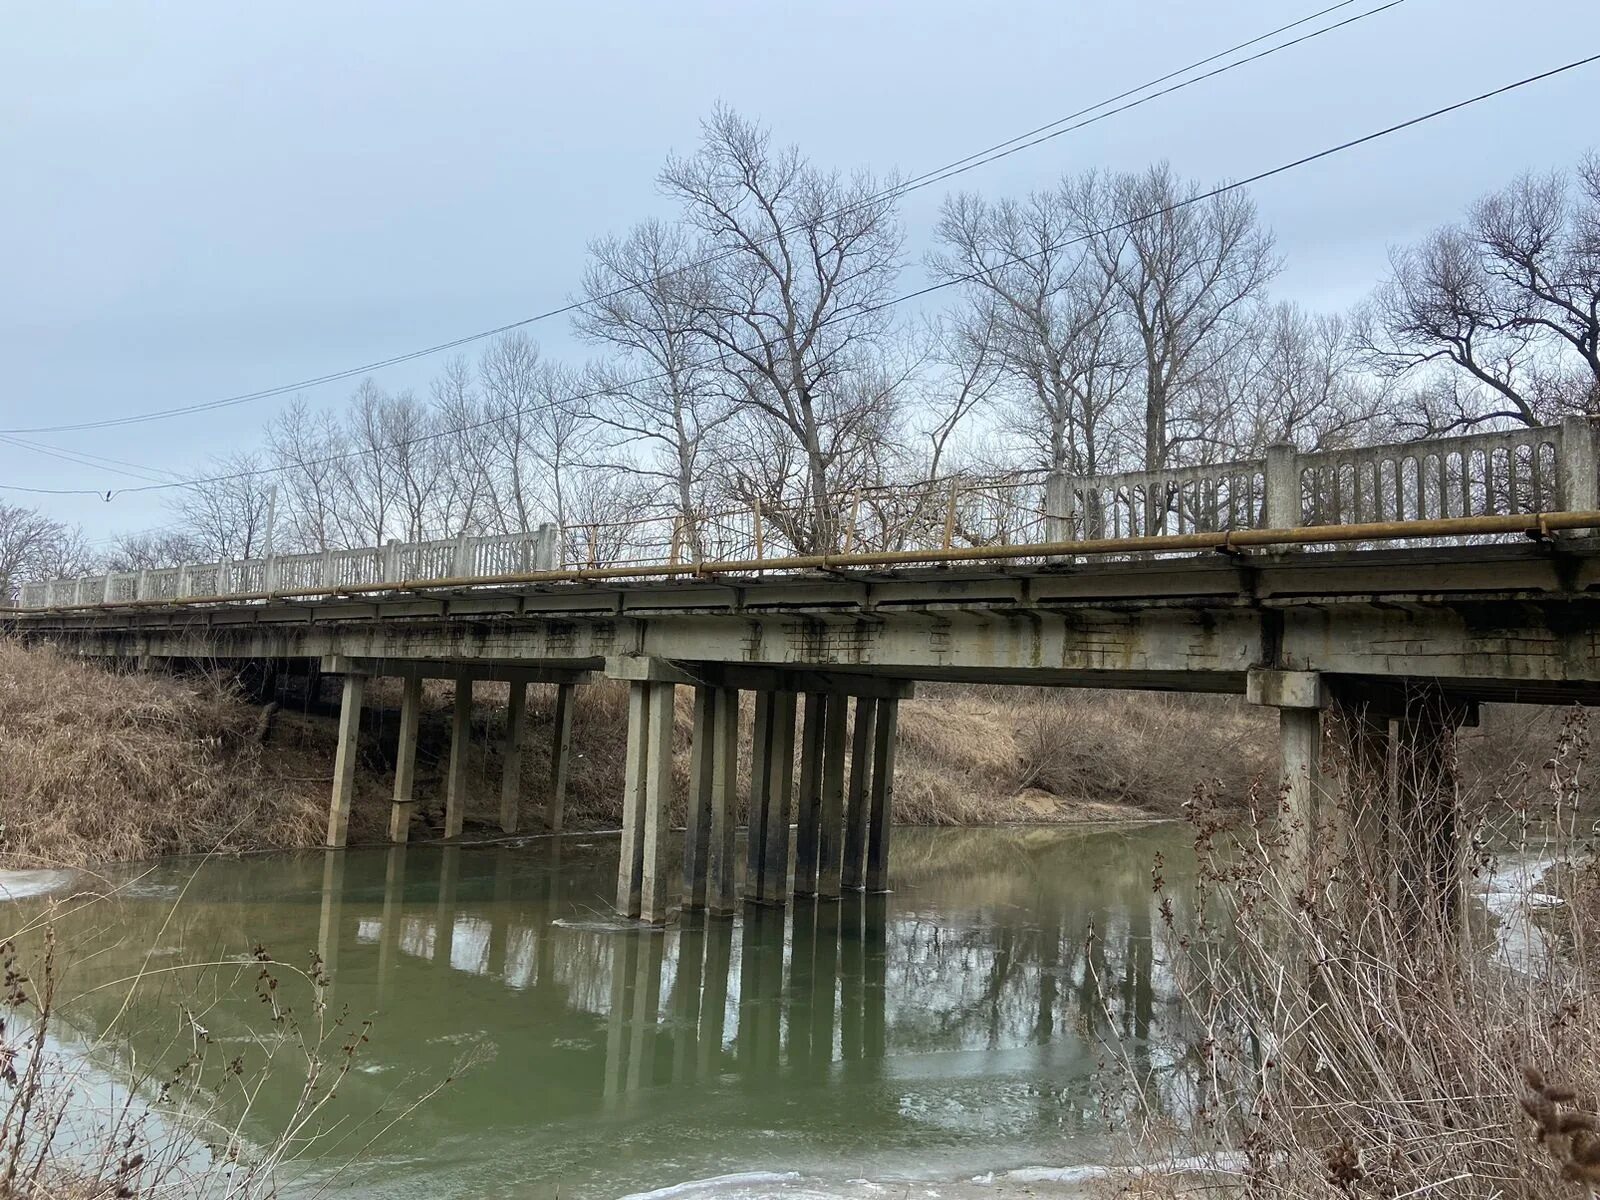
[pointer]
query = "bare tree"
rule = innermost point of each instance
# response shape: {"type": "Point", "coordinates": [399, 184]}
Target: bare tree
{"type": "Point", "coordinates": [305, 448]}
{"type": "Point", "coordinates": [225, 516]}
{"type": "Point", "coordinates": [662, 396]}
{"type": "Point", "coordinates": [800, 262]}
{"type": "Point", "coordinates": [30, 546]}
{"type": "Point", "coordinates": [1187, 271]}
{"type": "Point", "coordinates": [1047, 308]}
{"type": "Point", "coordinates": [1509, 301]}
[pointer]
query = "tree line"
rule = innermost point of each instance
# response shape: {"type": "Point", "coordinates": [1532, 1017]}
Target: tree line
{"type": "Point", "coordinates": [748, 352]}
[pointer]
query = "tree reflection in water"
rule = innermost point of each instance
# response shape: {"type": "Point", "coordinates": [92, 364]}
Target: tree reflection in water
{"type": "Point", "coordinates": [963, 1010]}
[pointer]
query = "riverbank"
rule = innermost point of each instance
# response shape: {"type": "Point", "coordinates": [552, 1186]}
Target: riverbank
{"type": "Point", "coordinates": [98, 766]}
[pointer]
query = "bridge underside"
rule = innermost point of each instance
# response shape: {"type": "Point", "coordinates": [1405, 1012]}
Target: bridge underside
{"type": "Point", "coordinates": [1515, 622]}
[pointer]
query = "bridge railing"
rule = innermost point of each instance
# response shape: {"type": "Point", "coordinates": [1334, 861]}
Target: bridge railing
{"type": "Point", "coordinates": [1503, 473]}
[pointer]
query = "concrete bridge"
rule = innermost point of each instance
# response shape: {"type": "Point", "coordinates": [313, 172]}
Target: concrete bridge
{"type": "Point", "coordinates": [1405, 583]}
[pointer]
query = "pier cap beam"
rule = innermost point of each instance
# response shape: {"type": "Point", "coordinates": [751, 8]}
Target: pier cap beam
{"type": "Point", "coordinates": [419, 668]}
{"type": "Point", "coordinates": [1286, 689]}
{"type": "Point", "coordinates": [641, 668]}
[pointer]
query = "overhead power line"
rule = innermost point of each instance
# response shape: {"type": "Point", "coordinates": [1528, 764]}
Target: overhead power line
{"type": "Point", "coordinates": [1186, 202]}
{"type": "Point", "coordinates": [1069, 123]}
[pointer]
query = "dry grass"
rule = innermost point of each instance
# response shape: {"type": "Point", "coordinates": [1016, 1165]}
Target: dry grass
{"type": "Point", "coordinates": [96, 766]}
{"type": "Point", "coordinates": [1376, 1030]}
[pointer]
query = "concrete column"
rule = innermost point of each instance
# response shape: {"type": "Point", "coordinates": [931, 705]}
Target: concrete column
{"type": "Point", "coordinates": [755, 840]}
{"type": "Point", "coordinates": [656, 884]}
{"type": "Point", "coordinates": [697, 827]}
{"type": "Point", "coordinates": [830, 840]}
{"type": "Point", "coordinates": [344, 761]}
{"type": "Point", "coordinates": [853, 874]}
{"type": "Point", "coordinates": [630, 870]}
{"type": "Point", "coordinates": [1300, 756]}
{"type": "Point", "coordinates": [882, 811]}
{"type": "Point", "coordinates": [1299, 697]}
{"type": "Point", "coordinates": [405, 761]}
{"type": "Point", "coordinates": [560, 758]}
{"type": "Point", "coordinates": [511, 768]}
{"type": "Point", "coordinates": [455, 800]}
{"type": "Point", "coordinates": [773, 884]}
{"type": "Point", "coordinates": [722, 883]}
{"type": "Point", "coordinates": [808, 805]}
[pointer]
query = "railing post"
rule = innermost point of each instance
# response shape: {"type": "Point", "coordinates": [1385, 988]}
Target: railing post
{"type": "Point", "coordinates": [1060, 507]}
{"type": "Point", "coordinates": [141, 585]}
{"type": "Point", "coordinates": [389, 563]}
{"type": "Point", "coordinates": [1576, 465]}
{"type": "Point", "coordinates": [184, 586]}
{"type": "Point", "coordinates": [1282, 486]}
{"type": "Point", "coordinates": [269, 573]}
{"type": "Point", "coordinates": [109, 593]}
{"type": "Point", "coordinates": [224, 576]}
{"type": "Point", "coordinates": [463, 557]}
{"type": "Point", "coordinates": [547, 548]}
{"type": "Point", "coordinates": [325, 569]}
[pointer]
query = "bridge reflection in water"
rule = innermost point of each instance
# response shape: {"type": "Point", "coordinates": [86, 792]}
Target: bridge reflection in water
{"type": "Point", "coordinates": [957, 1021]}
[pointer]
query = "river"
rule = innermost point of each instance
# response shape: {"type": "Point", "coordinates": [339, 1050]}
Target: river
{"type": "Point", "coordinates": [959, 1026]}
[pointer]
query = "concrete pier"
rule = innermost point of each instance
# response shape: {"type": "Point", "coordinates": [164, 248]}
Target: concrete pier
{"type": "Point", "coordinates": [644, 875]}
{"type": "Point", "coordinates": [405, 760]}
{"type": "Point", "coordinates": [560, 757]}
{"type": "Point", "coordinates": [881, 816]}
{"type": "Point", "coordinates": [344, 762]}
{"type": "Point", "coordinates": [808, 795]}
{"type": "Point", "coordinates": [511, 758]}
{"type": "Point", "coordinates": [455, 802]}
{"type": "Point", "coordinates": [830, 839]}
{"type": "Point", "coordinates": [853, 872]}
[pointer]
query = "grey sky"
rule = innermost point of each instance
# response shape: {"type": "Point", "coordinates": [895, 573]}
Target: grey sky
{"type": "Point", "coordinates": [202, 199]}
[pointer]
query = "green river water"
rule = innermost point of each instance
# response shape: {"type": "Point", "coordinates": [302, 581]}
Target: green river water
{"type": "Point", "coordinates": [954, 1027]}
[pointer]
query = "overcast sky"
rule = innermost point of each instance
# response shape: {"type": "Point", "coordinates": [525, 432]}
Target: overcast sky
{"type": "Point", "coordinates": [201, 199]}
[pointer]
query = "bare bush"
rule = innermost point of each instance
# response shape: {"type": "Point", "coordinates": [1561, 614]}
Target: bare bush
{"type": "Point", "coordinates": [1367, 1033]}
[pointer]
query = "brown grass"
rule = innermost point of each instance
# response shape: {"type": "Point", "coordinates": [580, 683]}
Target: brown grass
{"type": "Point", "coordinates": [99, 766]}
{"type": "Point", "coordinates": [1370, 1033]}
{"type": "Point", "coordinates": [96, 766]}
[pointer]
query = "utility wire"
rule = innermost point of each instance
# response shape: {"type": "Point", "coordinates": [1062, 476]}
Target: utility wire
{"type": "Point", "coordinates": [960, 166]}
{"type": "Point", "coordinates": [954, 281]}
